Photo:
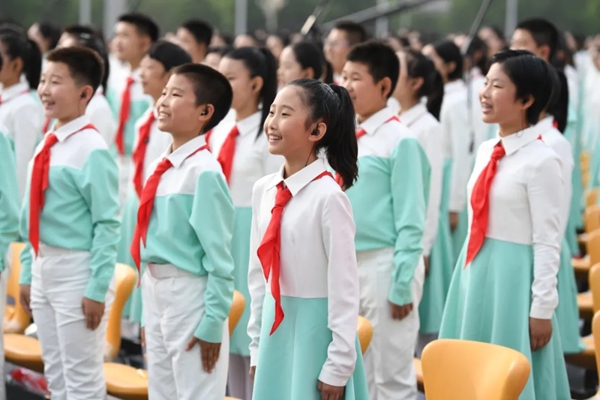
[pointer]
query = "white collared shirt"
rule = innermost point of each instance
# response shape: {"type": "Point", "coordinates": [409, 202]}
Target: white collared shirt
{"type": "Point", "coordinates": [480, 128]}
{"type": "Point", "coordinates": [525, 205]}
{"type": "Point", "coordinates": [252, 159]}
{"type": "Point", "coordinates": [318, 259]}
{"type": "Point", "coordinates": [101, 116]}
{"type": "Point", "coordinates": [456, 127]}
{"type": "Point", "coordinates": [553, 138]}
{"type": "Point", "coordinates": [388, 134]}
{"type": "Point", "coordinates": [429, 133]}
{"type": "Point", "coordinates": [157, 142]}
{"type": "Point", "coordinates": [24, 118]}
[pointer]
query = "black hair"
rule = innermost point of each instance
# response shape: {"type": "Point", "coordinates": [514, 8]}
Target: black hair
{"type": "Point", "coordinates": [579, 41]}
{"type": "Point", "coordinates": [449, 52]}
{"type": "Point", "coordinates": [327, 76]}
{"type": "Point", "coordinates": [50, 32]}
{"type": "Point", "coordinates": [10, 25]}
{"type": "Point", "coordinates": [145, 25]}
{"type": "Point", "coordinates": [558, 106]}
{"type": "Point", "coordinates": [478, 45]}
{"type": "Point", "coordinates": [564, 55]}
{"type": "Point", "coordinates": [283, 36]}
{"type": "Point", "coordinates": [169, 54]}
{"type": "Point", "coordinates": [210, 87]}
{"type": "Point", "coordinates": [201, 30]}
{"type": "Point", "coordinates": [355, 33]}
{"type": "Point", "coordinates": [88, 37]}
{"type": "Point", "coordinates": [227, 38]}
{"type": "Point", "coordinates": [18, 46]}
{"type": "Point", "coordinates": [332, 105]}
{"type": "Point", "coordinates": [420, 66]}
{"type": "Point", "coordinates": [543, 33]}
{"type": "Point", "coordinates": [220, 50]}
{"type": "Point", "coordinates": [85, 65]}
{"type": "Point", "coordinates": [260, 62]}
{"type": "Point", "coordinates": [380, 59]}
{"type": "Point", "coordinates": [532, 77]}
{"type": "Point", "coordinates": [309, 56]}
{"type": "Point", "coordinates": [498, 32]}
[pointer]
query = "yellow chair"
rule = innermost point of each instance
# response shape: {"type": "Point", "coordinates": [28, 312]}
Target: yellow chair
{"type": "Point", "coordinates": [128, 383]}
{"type": "Point", "coordinates": [591, 197]}
{"type": "Point", "coordinates": [465, 370]}
{"type": "Point", "coordinates": [27, 352]}
{"type": "Point", "coordinates": [596, 335]}
{"type": "Point", "coordinates": [582, 265]}
{"type": "Point", "coordinates": [591, 220]}
{"type": "Point", "coordinates": [584, 159]}
{"type": "Point", "coordinates": [585, 178]}
{"type": "Point", "coordinates": [365, 333]}
{"type": "Point", "coordinates": [16, 318]}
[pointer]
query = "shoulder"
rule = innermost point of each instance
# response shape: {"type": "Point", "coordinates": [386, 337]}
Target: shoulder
{"type": "Point", "coordinates": [542, 156]}
{"type": "Point", "coordinates": [203, 161]}
{"type": "Point", "coordinates": [89, 140]}
{"type": "Point", "coordinates": [393, 132]}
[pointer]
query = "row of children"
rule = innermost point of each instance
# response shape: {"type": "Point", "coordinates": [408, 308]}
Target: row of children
{"type": "Point", "coordinates": [412, 175]}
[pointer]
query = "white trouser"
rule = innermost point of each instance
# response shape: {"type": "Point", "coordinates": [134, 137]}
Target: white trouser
{"type": "Point", "coordinates": [73, 354]}
{"type": "Point", "coordinates": [389, 358]}
{"type": "Point", "coordinates": [240, 384]}
{"type": "Point", "coordinates": [125, 167]}
{"type": "Point", "coordinates": [173, 307]}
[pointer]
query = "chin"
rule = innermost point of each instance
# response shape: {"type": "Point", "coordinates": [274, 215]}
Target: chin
{"type": "Point", "coordinates": [488, 119]}
{"type": "Point", "coordinates": [163, 126]}
{"type": "Point", "coordinates": [275, 150]}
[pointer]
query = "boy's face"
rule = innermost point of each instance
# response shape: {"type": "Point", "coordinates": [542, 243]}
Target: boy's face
{"type": "Point", "coordinates": [61, 96]}
{"type": "Point", "coordinates": [367, 95]}
{"type": "Point", "coordinates": [128, 44]}
{"type": "Point", "coordinates": [522, 40]}
{"type": "Point", "coordinates": [177, 109]}
{"type": "Point", "coordinates": [153, 76]}
{"type": "Point", "coordinates": [188, 42]}
{"type": "Point", "coordinates": [336, 49]}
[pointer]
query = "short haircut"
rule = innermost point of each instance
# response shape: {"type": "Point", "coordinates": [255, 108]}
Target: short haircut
{"type": "Point", "coordinates": [85, 65]}
{"type": "Point", "coordinates": [355, 33]}
{"type": "Point", "coordinates": [543, 33]}
{"type": "Point", "coordinates": [50, 31]}
{"type": "Point", "coordinates": [210, 87]}
{"type": "Point", "coordinates": [380, 58]}
{"type": "Point", "coordinates": [145, 25]}
{"type": "Point", "coordinates": [532, 78]}
{"type": "Point", "coordinates": [201, 30]}
{"type": "Point", "coordinates": [220, 50]}
{"type": "Point", "coordinates": [168, 54]}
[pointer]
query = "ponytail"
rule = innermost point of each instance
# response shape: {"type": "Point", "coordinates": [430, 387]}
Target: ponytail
{"type": "Point", "coordinates": [260, 62]}
{"type": "Point", "coordinates": [419, 66]}
{"type": "Point", "coordinates": [436, 96]}
{"type": "Point", "coordinates": [332, 105]}
{"type": "Point", "coordinates": [17, 46]}
{"type": "Point", "coordinates": [558, 106]}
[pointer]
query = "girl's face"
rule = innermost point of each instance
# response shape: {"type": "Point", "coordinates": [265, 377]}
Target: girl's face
{"type": "Point", "coordinates": [285, 125]}
{"type": "Point", "coordinates": [212, 60]}
{"type": "Point", "coordinates": [289, 68]}
{"type": "Point", "coordinates": [498, 99]}
{"type": "Point", "coordinates": [275, 45]}
{"type": "Point", "coordinates": [153, 76]}
{"type": "Point", "coordinates": [245, 89]}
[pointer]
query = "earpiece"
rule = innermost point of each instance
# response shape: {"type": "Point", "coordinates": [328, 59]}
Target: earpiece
{"type": "Point", "coordinates": [253, 87]}
{"type": "Point", "coordinates": [315, 132]}
{"type": "Point", "coordinates": [83, 95]}
{"type": "Point", "coordinates": [204, 112]}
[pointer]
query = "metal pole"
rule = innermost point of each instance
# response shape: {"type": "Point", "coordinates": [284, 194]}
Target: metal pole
{"type": "Point", "coordinates": [85, 12]}
{"type": "Point", "coordinates": [241, 17]}
{"type": "Point", "coordinates": [512, 17]}
{"type": "Point", "coordinates": [382, 23]}
{"type": "Point", "coordinates": [112, 10]}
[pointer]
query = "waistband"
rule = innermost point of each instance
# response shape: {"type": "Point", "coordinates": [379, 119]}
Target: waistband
{"type": "Point", "coordinates": [162, 271]}
{"type": "Point", "coordinates": [52, 251]}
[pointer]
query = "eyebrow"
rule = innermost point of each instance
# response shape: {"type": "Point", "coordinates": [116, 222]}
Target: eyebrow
{"type": "Point", "coordinates": [179, 89]}
{"type": "Point", "coordinates": [289, 107]}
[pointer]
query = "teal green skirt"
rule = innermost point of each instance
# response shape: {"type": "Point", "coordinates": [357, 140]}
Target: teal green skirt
{"type": "Point", "coordinates": [240, 250]}
{"type": "Point", "coordinates": [133, 307]}
{"type": "Point", "coordinates": [290, 361]}
{"type": "Point", "coordinates": [441, 264]}
{"type": "Point", "coordinates": [489, 301]}
{"type": "Point", "coordinates": [567, 312]}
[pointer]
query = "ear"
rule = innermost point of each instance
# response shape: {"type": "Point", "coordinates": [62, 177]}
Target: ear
{"type": "Point", "coordinates": [145, 43]}
{"type": "Point", "coordinates": [309, 73]}
{"type": "Point", "coordinates": [17, 65]}
{"type": "Point", "coordinates": [317, 132]}
{"type": "Point", "coordinates": [87, 93]}
{"type": "Point", "coordinates": [205, 113]}
{"type": "Point", "coordinates": [527, 103]}
{"type": "Point", "coordinates": [416, 83]}
{"type": "Point", "coordinates": [386, 86]}
{"type": "Point", "coordinates": [545, 52]}
{"type": "Point", "coordinates": [257, 84]}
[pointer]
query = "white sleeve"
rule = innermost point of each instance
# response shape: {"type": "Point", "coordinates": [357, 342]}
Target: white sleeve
{"type": "Point", "coordinates": [435, 154]}
{"type": "Point", "coordinates": [256, 281]}
{"type": "Point", "coordinates": [27, 128]}
{"type": "Point", "coordinates": [103, 120]}
{"type": "Point", "coordinates": [460, 131]}
{"type": "Point", "coordinates": [567, 174]}
{"type": "Point", "coordinates": [545, 207]}
{"type": "Point", "coordinates": [343, 294]}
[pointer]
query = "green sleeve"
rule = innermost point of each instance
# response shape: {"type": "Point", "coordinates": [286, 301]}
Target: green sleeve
{"type": "Point", "coordinates": [26, 258]}
{"type": "Point", "coordinates": [212, 220]}
{"type": "Point", "coordinates": [99, 187]}
{"type": "Point", "coordinates": [9, 198]}
{"type": "Point", "coordinates": [410, 174]}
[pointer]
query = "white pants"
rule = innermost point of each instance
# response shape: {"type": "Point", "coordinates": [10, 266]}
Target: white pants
{"type": "Point", "coordinates": [73, 355]}
{"type": "Point", "coordinates": [240, 384]}
{"type": "Point", "coordinates": [125, 167]}
{"type": "Point", "coordinates": [389, 358]}
{"type": "Point", "coordinates": [173, 307]}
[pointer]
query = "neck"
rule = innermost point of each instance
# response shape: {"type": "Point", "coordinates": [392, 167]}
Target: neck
{"type": "Point", "coordinates": [60, 122]}
{"type": "Point", "coordinates": [10, 82]}
{"type": "Point", "coordinates": [365, 116]}
{"type": "Point", "coordinates": [543, 115]}
{"type": "Point", "coordinates": [134, 64]}
{"type": "Point", "coordinates": [293, 165]}
{"type": "Point", "coordinates": [512, 127]}
{"type": "Point", "coordinates": [181, 139]}
{"type": "Point", "coordinates": [246, 111]}
{"type": "Point", "coordinates": [407, 104]}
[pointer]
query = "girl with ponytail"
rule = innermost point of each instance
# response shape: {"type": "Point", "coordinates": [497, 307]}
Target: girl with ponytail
{"type": "Point", "coordinates": [20, 111]}
{"type": "Point", "coordinates": [303, 274]}
{"type": "Point", "coordinates": [241, 148]}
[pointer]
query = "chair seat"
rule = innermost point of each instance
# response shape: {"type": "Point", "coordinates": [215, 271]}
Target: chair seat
{"type": "Point", "coordinates": [419, 374]}
{"type": "Point", "coordinates": [585, 303]}
{"type": "Point", "coordinates": [581, 266]}
{"type": "Point", "coordinates": [587, 358]}
{"type": "Point", "coordinates": [24, 351]}
{"type": "Point", "coordinates": [126, 382]}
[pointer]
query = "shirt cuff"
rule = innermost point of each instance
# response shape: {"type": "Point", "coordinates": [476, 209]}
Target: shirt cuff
{"type": "Point", "coordinates": [209, 330]}
{"type": "Point", "coordinates": [333, 378]}
{"type": "Point", "coordinates": [541, 312]}
{"type": "Point", "coordinates": [400, 294]}
{"type": "Point", "coordinates": [253, 357]}
{"type": "Point", "coordinates": [96, 290]}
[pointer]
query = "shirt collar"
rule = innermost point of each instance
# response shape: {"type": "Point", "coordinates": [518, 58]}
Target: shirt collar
{"type": "Point", "coordinates": [376, 120]}
{"type": "Point", "coordinates": [514, 142]}
{"type": "Point", "coordinates": [249, 124]}
{"type": "Point", "coordinates": [475, 73]}
{"type": "Point", "coordinates": [99, 91]}
{"type": "Point", "coordinates": [135, 74]}
{"type": "Point", "coordinates": [179, 156]}
{"type": "Point", "coordinates": [14, 91]}
{"type": "Point", "coordinates": [300, 179]}
{"type": "Point", "coordinates": [70, 128]}
{"type": "Point", "coordinates": [455, 86]}
{"type": "Point", "coordinates": [546, 124]}
{"type": "Point", "coordinates": [409, 116]}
